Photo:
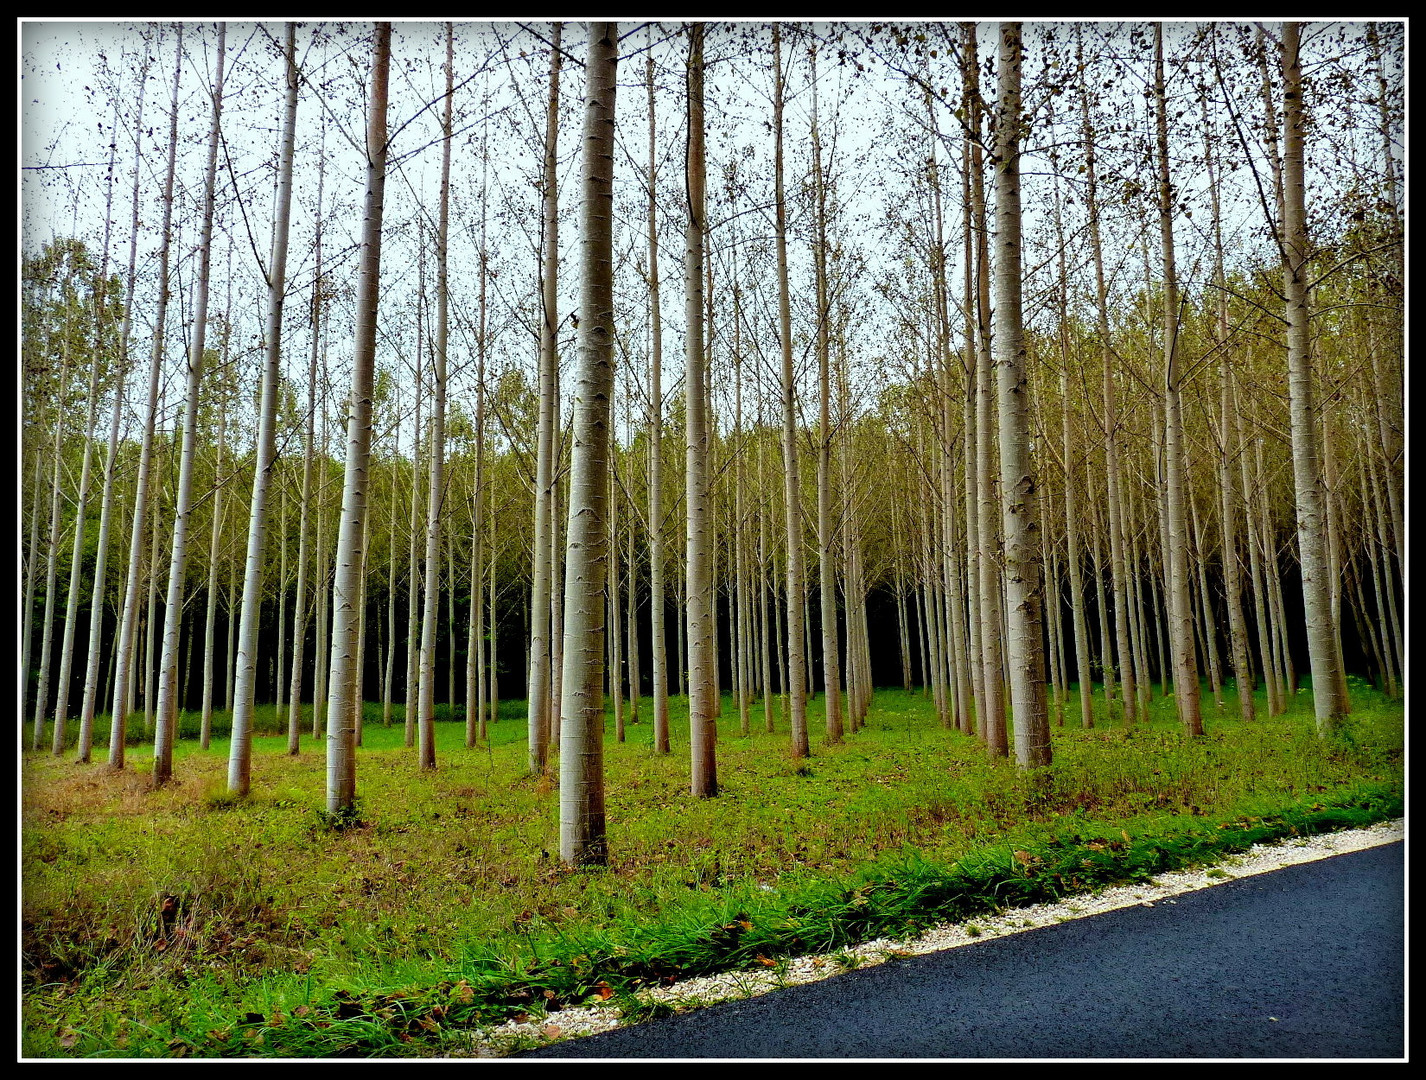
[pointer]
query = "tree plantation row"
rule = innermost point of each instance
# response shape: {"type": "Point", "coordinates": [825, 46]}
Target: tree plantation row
{"type": "Point", "coordinates": [1010, 359]}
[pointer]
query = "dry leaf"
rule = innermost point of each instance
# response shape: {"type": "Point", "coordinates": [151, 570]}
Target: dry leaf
{"type": "Point", "coordinates": [553, 1031]}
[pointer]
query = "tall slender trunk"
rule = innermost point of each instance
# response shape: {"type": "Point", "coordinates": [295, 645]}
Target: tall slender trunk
{"type": "Point", "coordinates": [345, 678]}
{"type": "Point", "coordinates": [657, 605]}
{"type": "Point", "coordinates": [124, 668]}
{"type": "Point", "coordinates": [299, 614]}
{"type": "Point", "coordinates": [1323, 640]}
{"type": "Point", "coordinates": [240, 749]}
{"type": "Point", "coordinates": [426, 719]}
{"type": "Point", "coordinates": [91, 402]}
{"type": "Point", "coordinates": [1019, 486]}
{"type": "Point", "coordinates": [988, 529]}
{"type": "Point", "coordinates": [702, 610]}
{"type": "Point", "coordinates": [540, 660]}
{"type": "Point", "coordinates": [166, 720]}
{"type": "Point", "coordinates": [827, 583]}
{"type": "Point", "coordinates": [52, 555]}
{"type": "Point", "coordinates": [582, 829]}
{"type": "Point", "coordinates": [796, 683]}
{"type": "Point", "coordinates": [210, 624]}
{"type": "Point", "coordinates": [1186, 690]}
{"type": "Point", "coordinates": [475, 695]}
{"type": "Point", "coordinates": [92, 688]}
{"type": "Point", "coordinates": [413, 566]}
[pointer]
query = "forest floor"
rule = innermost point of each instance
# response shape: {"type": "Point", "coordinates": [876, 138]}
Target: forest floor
{"type": "Point", "coordinates": [185, 922]}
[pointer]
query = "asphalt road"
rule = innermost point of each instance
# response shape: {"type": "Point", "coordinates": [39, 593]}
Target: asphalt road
{"type": "Point", "coordinates": [1304, 962]}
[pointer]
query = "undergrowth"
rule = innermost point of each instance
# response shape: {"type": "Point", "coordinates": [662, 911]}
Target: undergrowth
{"type": "Point", "coordinates": [182, 922]}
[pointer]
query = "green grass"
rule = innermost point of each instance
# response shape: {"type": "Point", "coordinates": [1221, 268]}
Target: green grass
{"type": "Point", "coordinates": [182, 921]}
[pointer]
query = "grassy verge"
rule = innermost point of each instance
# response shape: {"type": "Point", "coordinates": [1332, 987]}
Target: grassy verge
{"type": "Point", "coordinates": [182, 922]}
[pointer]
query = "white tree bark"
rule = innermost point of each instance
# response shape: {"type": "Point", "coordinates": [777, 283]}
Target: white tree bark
{"type": "Point", "coordinates": [701, 610]}
{"type": "Point", "coordinates": [1019, 487]}
{"type": "Point", "coordinates": [240, 748]}
{"type": "Point", "coordinates": [582, 831]}
{"type": "Point", "coordinates": [426, 693]}
{"type": "Point", "coordinates": [538, 691]}
{"type": "Point", "coordinates": [166, 717]}
{"type": "Point", "coordinates": [796, 683]}
{"type": "Point", "coordinates": [1323, 641]}
{"type": "Point", "coordinates": [351, 544]}
{"type": "Point", "coordinates": [124, 674]}
{"type": "Point", "coordinates": [657, 600]}
{"type": "Point", "coordinates": [1185, 666]}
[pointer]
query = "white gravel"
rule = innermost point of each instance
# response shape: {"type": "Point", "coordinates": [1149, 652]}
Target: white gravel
{"type": "Point", "coordinates": [696, 992]}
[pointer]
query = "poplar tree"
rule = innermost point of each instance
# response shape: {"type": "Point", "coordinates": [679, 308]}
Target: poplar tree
{"type": "Point", "coordinates": [582, 829]}
{"type": "Point", "coordinates": [166, 712]}
{"type": "Point", "coordinates": [1323, 642]}
{"type": "Point", "coordinates": [240, 751]}
{"type": "Point", "coordinates": [345, 678]}
{"type": "Point", "coordinates": [538, 684]}
{"type": "Point", "coordinates": [701, 610]}
{"type": "Point", "coordinates": [1019, 485]}
{"type": "Point", "coordinates": [426, 694]}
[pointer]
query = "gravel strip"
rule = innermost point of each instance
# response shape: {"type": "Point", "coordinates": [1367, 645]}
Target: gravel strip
{"type": "Point", "coordinates": [706, 990]}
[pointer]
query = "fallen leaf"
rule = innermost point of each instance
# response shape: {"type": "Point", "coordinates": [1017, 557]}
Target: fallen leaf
{"type": "Point", "coordinates": [553, 1031]}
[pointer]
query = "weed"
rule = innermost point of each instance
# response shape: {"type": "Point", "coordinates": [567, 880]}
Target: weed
{"type": "Point", "coordinates": [389, 931]}
{"type": "Point", "coordinates": [348, 817]}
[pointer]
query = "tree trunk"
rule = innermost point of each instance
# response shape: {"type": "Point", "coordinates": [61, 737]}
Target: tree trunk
{"type": "Point", "coordinates": [92, 689]}
{"type": "Point", "coordinates": [1186, 690]}
{"type": "Point", "coordinates": [426, 694]}
{"type": "Point", "coordinates": [1019, 487]}
{"type": "Point", "coordinates": [702, 611]}
{"type": "Point", "coordinates": [240, 751]}
{"type": "Point", "coordinates": [1323, 642]}
{"type": "Point", "coordinates": [582, 831]}
{"type": "Point", "coordinates": [540, 659]}
{"type": "Point", "coordinates": [345, 679]}
{"type": "Point", "coordinates": [124, 669]}
{"type": "Point", "coordinates": [796, 683]}
{"type": "Point", "coordinates": [166, 720]}
{"type": "Point", "coordinates": [988, 531]}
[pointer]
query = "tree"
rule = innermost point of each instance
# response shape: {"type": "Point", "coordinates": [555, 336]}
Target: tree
{"type": "Point", "coordinates": [128, 625]}
{"type": "Point", "coordinates": [582, 830]}
{"type": "Point", "coordinates": [240, 753]}
{"type": "Point", "coordinates": [1019, 487]}
{"type": "Point", "coordinates": [1185, 666]}
{"type": "Point", "coordinates": [702, 674]}
{"type": "Point", "coordinates": [426, 733]}
{"type": "Point", "coordinates": [538, 684]}
{"type": "Point", "coordinates": [1323, 642]}
{"type": "Point", "coordinates": [166, 711]}
{"type": "Point", "coordinates": [795, 685]}
{"type": "Point", "coordinates": [351, 544]}
{"type": "Point", "coordinates": [657, 599]}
